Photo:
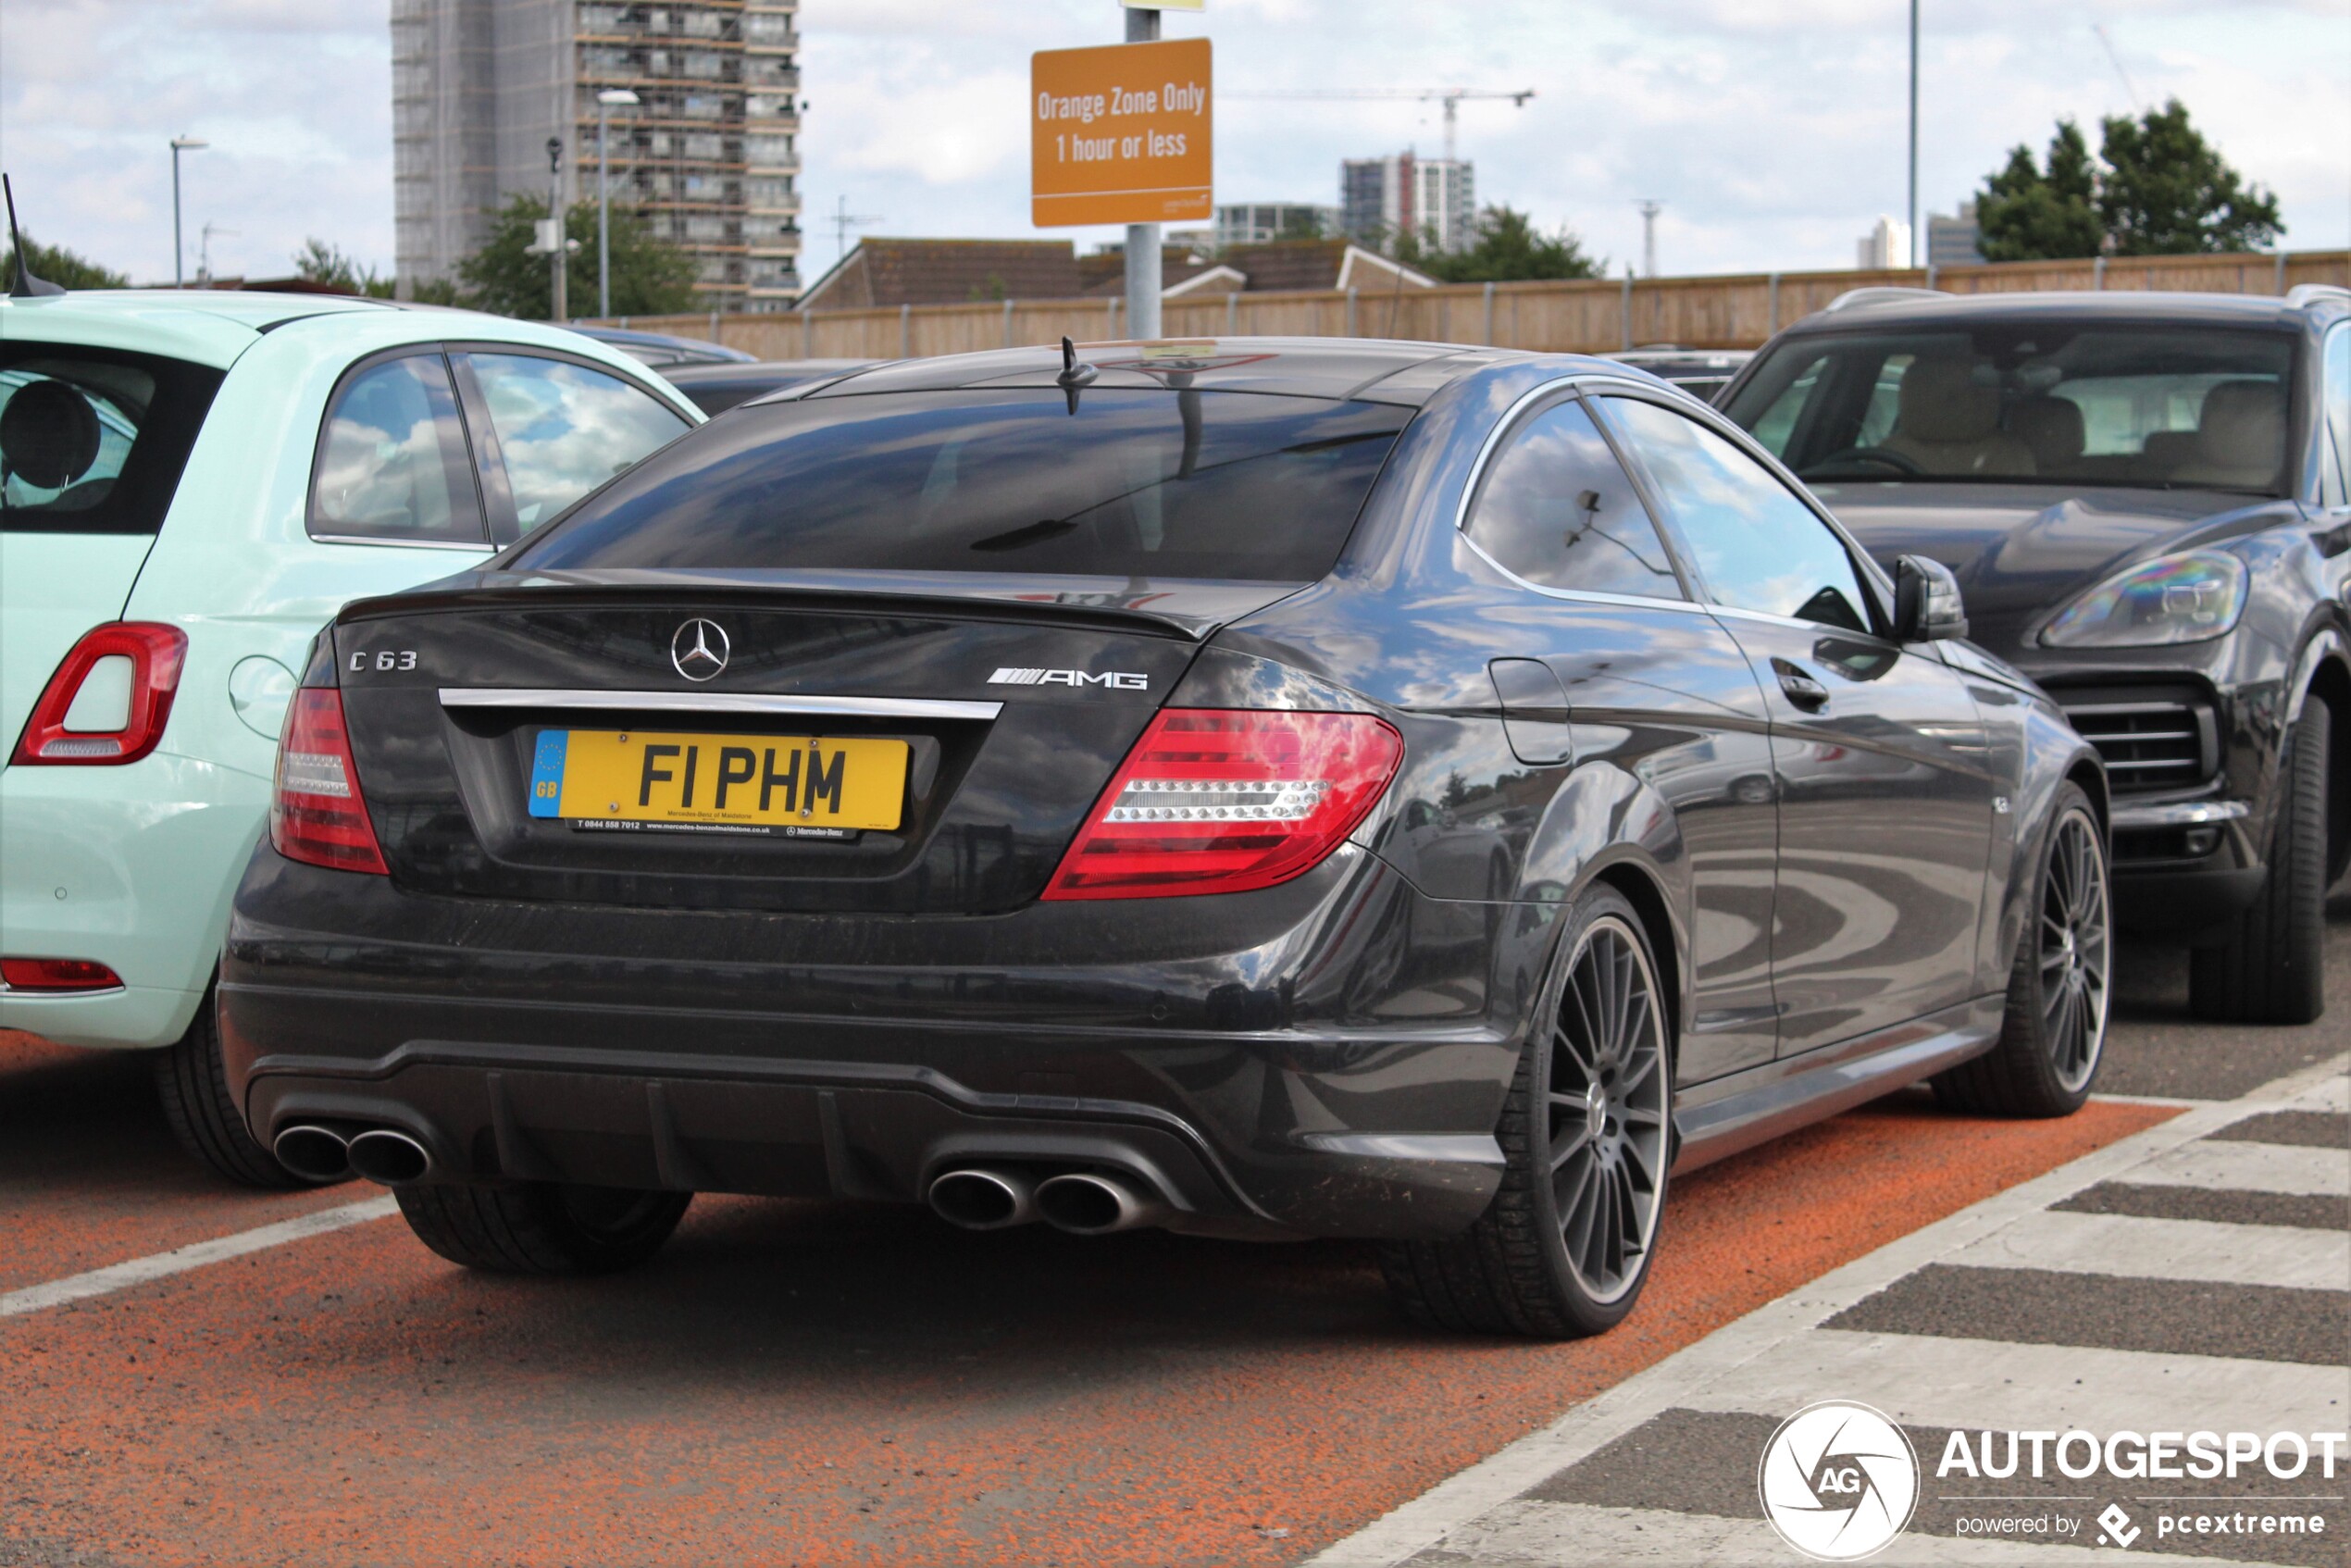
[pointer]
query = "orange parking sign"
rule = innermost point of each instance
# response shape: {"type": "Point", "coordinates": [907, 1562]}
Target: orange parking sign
{"type": "Point", "coordinates": [1120, 134]}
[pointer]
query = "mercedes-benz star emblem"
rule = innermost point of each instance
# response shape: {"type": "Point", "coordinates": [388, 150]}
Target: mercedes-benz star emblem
{"type": "Point", "coordinates": [699, 648]}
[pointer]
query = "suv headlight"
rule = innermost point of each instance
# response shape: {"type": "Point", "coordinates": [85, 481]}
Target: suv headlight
{"type": "Point", "coordinates": [2184, 598]}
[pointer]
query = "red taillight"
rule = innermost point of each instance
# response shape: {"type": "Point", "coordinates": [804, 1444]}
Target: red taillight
{"type": "Point", "coordinates": [57, 975]}
{"type": "Point", "coordinates": [317, 813]}
{"type": "Point", "coordinates": [1219, 801]}
{"type": "Point", "coordinates": [108, 700]}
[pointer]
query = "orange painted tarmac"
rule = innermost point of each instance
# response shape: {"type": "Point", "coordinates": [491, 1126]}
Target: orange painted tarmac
{"type": "Point", "coordinates": [814, 1382]}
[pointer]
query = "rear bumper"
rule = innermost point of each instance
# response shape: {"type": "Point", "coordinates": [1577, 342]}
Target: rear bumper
{"type": "Point", "coordinates": [1314, 1059]}
{"type": "Point", "coordinates": [131, 867]}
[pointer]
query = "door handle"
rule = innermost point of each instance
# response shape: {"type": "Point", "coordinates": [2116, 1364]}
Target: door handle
{"type": "Point", "coordinates": [1801, 689]}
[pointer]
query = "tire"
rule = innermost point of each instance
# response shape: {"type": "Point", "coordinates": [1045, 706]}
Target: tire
{"type": "Point", "coordinates": [194, 1086]}
{"type": "Point", "coordinates": [2061, 982]}
{"type": "Point", "coordinates": [2271, 970]}
{"type": "Point", "coordinates": [1565, 1246]}
{"type": "Point", "coordinates": [541, 1227]}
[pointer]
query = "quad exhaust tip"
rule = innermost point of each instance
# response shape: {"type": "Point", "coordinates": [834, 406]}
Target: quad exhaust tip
{"type": "Point", "coordinates": [979, 1198]}
{"type": "Point", "coordinates": [313, 1153]}
{"type": "Point", "coordinates": [1093, 1203]}
{"type": "Point", "coordinates": [393, 1158]}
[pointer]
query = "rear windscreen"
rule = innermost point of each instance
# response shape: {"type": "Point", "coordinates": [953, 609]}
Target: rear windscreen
{"type": "Point", "coordinates": [1133, 484]}
{"type": "Point", "coordinates": [91, 440]}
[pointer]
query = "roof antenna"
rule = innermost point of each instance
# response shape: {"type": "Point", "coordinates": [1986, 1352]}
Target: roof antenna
{"type": "Point", "coordinates": [25, 285]}
{"type": "Point", "coordinates": [1074, 378]}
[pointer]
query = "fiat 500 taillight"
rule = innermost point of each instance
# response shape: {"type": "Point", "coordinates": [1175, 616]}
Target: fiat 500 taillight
{"type": "Point", "coordinates": [317, 813]}
{"type": "Point", "coordinates": [107, 701]}
{"type": "Point", "coordinates": [1221, 801]}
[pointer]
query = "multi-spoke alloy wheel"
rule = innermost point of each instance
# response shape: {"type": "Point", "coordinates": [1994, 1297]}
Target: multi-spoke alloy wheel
{"type": "Point", "coordinates": [1605, 1110]}
{"type": "Point", "coordinates": [2054, 1032]}
{"type": "Point", "coordinates": [2075, 951]}
{"type": "Point", "coordinates": [1586, 1137]}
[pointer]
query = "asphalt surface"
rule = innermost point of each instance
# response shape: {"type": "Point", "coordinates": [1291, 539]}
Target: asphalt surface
{"type": "Point", "coordinates": [799, 1382]}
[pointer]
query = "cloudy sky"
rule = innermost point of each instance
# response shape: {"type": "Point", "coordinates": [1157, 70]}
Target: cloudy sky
{"type": "Point", "coordinates": [1771, 129]}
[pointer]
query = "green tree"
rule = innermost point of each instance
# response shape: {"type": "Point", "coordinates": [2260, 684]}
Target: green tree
{"type": "Point", "coordinates": [1510, 249]}
{"type": "Point", "coordinates": [2158, 188]}
{"type": "Point", "coordinates": [2168, 191]}
{"type": "Point", "coordinates": [58, 265]}
{"type": "Point", "coordinates": [1303, 225]}
{"type": "Point", "coordinates": [2028, 213]}
{"type": "Point", "coordinates": [649, 276]}
{"type": "Point", "coordinates": [318, 262]}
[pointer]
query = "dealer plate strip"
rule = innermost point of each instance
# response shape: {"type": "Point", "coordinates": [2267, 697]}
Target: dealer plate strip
{"type": "Point", "coordinates": [716, 703]}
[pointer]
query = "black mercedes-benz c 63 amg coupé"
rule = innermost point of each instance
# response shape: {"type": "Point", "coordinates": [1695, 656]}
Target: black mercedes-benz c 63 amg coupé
{"type": "Point", "coordinates": [1259, 788]}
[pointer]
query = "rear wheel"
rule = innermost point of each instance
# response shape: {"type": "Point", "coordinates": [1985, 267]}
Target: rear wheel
{"type": "Point", "coordinates": [192, 1083]}
{"type": "Point", "coordinates": [2270, 969]}
{"type": "Point", "coordinates": [1565, 1246]}
{"type": "Point", "coordinates": [542, 1227]}
{"type": "Point", "coordinates": [2054, 1034]}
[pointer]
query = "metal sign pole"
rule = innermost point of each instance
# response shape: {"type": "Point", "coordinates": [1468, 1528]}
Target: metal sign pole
{"type": "Point", "coordinates": [1142, 239]}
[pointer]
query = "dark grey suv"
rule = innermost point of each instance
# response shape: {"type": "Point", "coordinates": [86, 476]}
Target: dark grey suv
{"type": "Point", "coordinates": [2143, 497]}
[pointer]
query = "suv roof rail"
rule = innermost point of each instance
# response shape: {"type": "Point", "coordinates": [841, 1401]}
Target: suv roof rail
{"type": "Point", "coordinates": [2303, 296]}
{"type": "Point", "coordinates": [1884, 293]}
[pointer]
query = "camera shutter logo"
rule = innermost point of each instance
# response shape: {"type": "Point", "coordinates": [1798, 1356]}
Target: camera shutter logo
{"type": "Point", "coordinates": [699, 648]}
{"type": "Point", "coordinates": [1839, 1481]}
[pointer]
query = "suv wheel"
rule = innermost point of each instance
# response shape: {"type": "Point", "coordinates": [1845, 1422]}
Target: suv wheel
{"type": "Point", "coordinates": [2059, 983]}
{"type": "Point", "coordinates": [2270, 969]}
{"type": "Point", "coordinates": [194, 1087]}
{"type": "Point", "coordinates": [1565, 1246]}
{"type": "Point", "coordinates": [542, 1227]}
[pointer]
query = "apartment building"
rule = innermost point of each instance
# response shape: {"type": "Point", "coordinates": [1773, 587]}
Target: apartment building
{"type": "Point", "coordinates": [708, 153]}
{"type": "Point", "coordinates": [1435, 200]}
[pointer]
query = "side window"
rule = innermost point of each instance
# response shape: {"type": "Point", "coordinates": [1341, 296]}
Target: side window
{"type": "Point", "coordinates": [1778, 425]}
{"type": "Point", "coordinates": [1753, 543]}
{"type": "Point", "coordinates": [391, 461]}
{"type": "Point", "coordinates": [564, 429]}
{"type": "Point", "coordinates": [1556, 509]}
{"type": "Point", "coordinates": [2338, 392]}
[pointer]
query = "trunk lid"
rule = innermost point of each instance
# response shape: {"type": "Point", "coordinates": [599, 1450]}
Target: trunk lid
{"type": "Point", "coordinates": [1007, 701]}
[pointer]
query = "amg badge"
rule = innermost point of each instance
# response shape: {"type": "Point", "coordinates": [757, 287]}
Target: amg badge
{"type": "Point", "coordinates": [1115, 680]}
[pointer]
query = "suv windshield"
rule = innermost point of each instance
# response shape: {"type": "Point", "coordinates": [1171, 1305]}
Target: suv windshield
{"type": "Point", "coordinates": [2173, 407]}
{"type": "Point", "coordinates": [1132, 484]}
{"type": "Point", "coordinates": [92, 440]}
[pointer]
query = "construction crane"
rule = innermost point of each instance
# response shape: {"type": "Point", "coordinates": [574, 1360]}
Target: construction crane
{"type": "Point", "coordinates": [1452, 97]}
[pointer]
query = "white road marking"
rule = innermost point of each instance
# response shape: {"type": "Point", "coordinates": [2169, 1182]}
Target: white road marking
{"type": "Point", "coordinates": [1545, 1535]}
{"type": "Point", "coordinates": [179, 1260]}
{"type": "Point", "coordinates": [2253, 1167]}
{"type": "Point", "coordinates": [2138, 1249]}
{"type": "Point", "coordinates": [1927, 1380]}
{"type": "Point", "coordinates": [1770, 1330]}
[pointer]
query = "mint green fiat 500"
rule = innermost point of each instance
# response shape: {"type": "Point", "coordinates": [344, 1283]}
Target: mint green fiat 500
{"type": "Point", "coordinates": [190, 484]}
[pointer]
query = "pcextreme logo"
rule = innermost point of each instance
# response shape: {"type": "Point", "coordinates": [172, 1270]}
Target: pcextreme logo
{"type": "Point", "coordinates": [1839, 1481]}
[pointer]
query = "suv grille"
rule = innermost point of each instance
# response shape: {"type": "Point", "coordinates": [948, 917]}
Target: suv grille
{"type": "Point", "coordinates": [2149, 744]}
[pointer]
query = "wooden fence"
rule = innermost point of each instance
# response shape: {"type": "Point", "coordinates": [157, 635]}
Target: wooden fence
{"type": "Point", "coordinates": [1582, 316]}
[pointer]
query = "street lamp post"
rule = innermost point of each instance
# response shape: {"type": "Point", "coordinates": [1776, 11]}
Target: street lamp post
{"type": "Point", "coordinates": [610, 98]}
{"type": "Point", "coordinates": [559, 306]}
{"type": "Point", "coordinates": [1913, 258]}
{"type": "Point", "coordinates": [180, 144]}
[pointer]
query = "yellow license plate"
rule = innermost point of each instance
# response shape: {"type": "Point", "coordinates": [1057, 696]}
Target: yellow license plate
{"type": "Point", "coordinates": [788, 783]}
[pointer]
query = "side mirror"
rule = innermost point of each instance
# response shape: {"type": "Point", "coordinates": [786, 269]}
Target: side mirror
{"type": "Point", "coordinates": [1926, 602]}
